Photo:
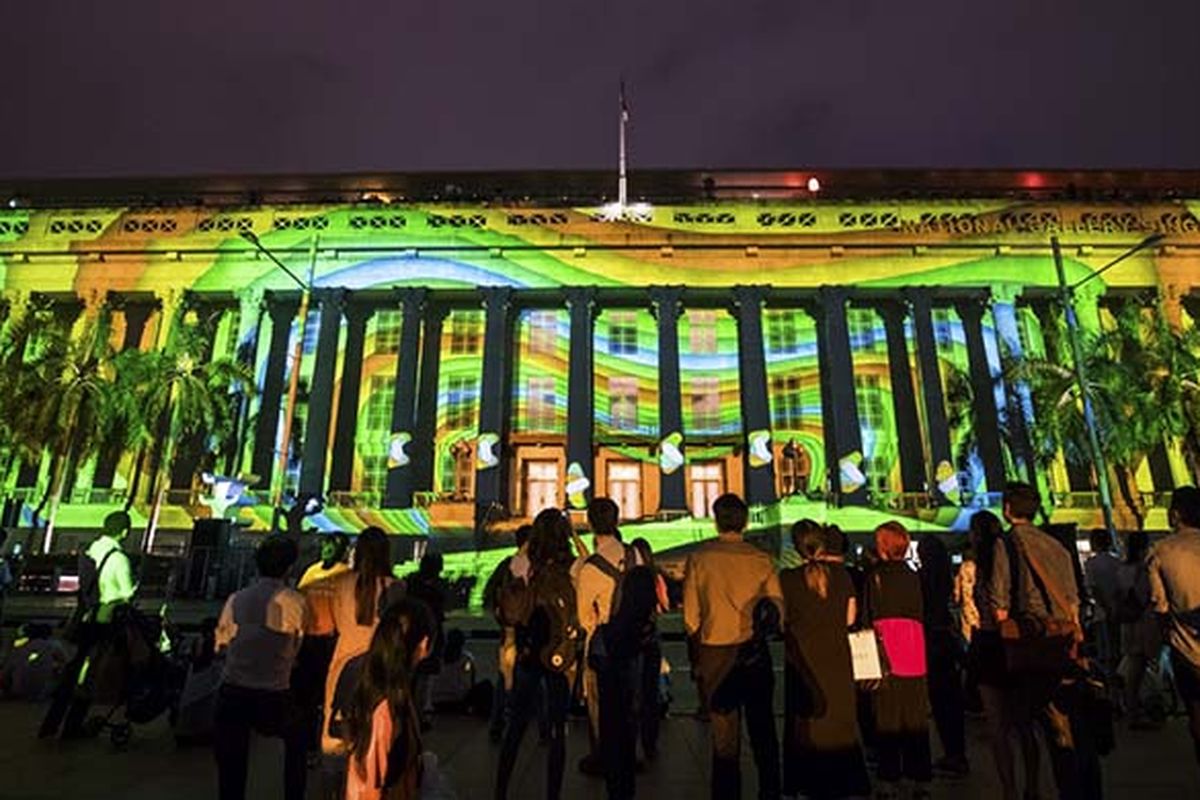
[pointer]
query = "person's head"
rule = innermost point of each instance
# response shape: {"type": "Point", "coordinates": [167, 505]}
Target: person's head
{"type": "Point", "coordinates": [456, 642]}
{"type": "Point", "coordinates": [837, 543]}
{"type": "Point", "coordinates": [1185, 507]}
{"type": "Point", "coordinates": [644, 551]}
{"type": "Point", "coordinates": [372, 564]}
{"type": "Point", "coordinates": [522, 536]}
{"type": "Point", "coordinates": [334, 548]}
{"type": "Point", "coordinates": [891, 541]}
{"type": "Point", "coordinates": [1100, 540]}
{"type": "Point", "coordinates": [1137, 545]}
{"type": "Point", "coordinates": [550, 542]}
{"type": "Point", "coordinates": [1021, 503]}
{"type": "Point", "coordinates": [603, 516]}
{"type": "Point", "coordinates": [936, 569]}
{"type": "Point", "coordinates": [275, 555]}
{"type": "Point", "coordinates": [401, 640]}
{"type": "Point", "coordinates": [802, 528]}
{"type": "Point", "coordinates": [730, 513]}
{"type": "Point", "coordinates": [431, 565]}
{"type": "Point", "coordinates": [117, 525]}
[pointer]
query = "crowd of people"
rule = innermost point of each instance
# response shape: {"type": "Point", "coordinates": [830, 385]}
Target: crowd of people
{"type": "Point", "coordinates": [881, 651]}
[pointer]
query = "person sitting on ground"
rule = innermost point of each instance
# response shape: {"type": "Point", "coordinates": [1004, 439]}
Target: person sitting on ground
{"type": "Point", "coordinates": [383, 722]}
{"type": "Point", "coordinates": [454, 688]}
{"type": "Point", "coordinates": [34, 663]}
{"type": "Point", "coordinates": [259, 631]}
{"type": "Point", "coordinates": [335, 547]}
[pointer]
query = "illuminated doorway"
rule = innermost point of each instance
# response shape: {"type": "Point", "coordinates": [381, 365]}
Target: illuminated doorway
{"type": "Point", "coordinates": [625, 487]}
{"type": "Point", "coordinates": [708, 483]}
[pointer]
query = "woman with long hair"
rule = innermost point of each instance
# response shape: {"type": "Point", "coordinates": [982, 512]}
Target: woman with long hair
{"type": "Point", "coordinates": [823, 756]}
{"type": "Point", "coordinates": [986, 665]}
{"type": "Point", "coordinates": [546, 632]}
{"type": "Point", "coordinates": [348, 605]}
{"type": "Point", "coordinates": [894, 608]}
{"type": "Point", "coordinates": [382, 724]}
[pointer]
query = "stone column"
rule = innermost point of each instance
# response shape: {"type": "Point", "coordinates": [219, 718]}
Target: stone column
{"type": "Point", "coordinates": [320, 392]}
{"type": "Point", "coordinates": [904, 398]}
{"type": "Point", "coordinates": [936, 422]}
{"type": "Point", "coordinates": [282, 310]}
{"type": "Point", "coordinates": [400, 478]}
{"type": "Point", "coordinates": [341, 467]}
{"type": "Point", "coordinates": [667, 304]}
{"type": "Point", "coordinates": [495, 404]}
{"type": "Point", "coordinates": [843, 436]}
{"type": "Point", "coordinates": [987, 427]}
{"type": "Point", "coordinates": [756, 410]}
{"type": "Point", "coordinates": [424, 446]}
{"type": "Point", "coordinates": [581, 416]}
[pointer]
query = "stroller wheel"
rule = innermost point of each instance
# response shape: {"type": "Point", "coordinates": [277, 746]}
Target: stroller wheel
{"type": "Point", "coordinates": [121, 734]}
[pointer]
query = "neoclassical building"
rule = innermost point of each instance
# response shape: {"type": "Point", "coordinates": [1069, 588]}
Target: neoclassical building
{"type": "Point", "coordinates": [479, 347]}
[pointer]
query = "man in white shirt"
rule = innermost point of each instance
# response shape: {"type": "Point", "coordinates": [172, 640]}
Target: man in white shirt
{"type": "Point", "coordinates": [259, 631]}
{"type": "Point", "coordinates": [106, 583]}
{"type": "Point", "coordinates": [594, 588]}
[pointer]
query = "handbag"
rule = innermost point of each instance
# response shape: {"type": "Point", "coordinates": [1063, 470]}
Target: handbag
{"type": "Point", "coordinates": [1035, 644]}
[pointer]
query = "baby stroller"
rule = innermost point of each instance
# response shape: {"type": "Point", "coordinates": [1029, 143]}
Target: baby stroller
{"type": "Point", "coordinates": [134, 672]}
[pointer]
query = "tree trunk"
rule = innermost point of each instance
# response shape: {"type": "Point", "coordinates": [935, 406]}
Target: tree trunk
{"type": "Point", "coordinates": [161, 482]}
{"type": "Point", "coordinates": [1129, 494]}
{"type": "Point", "coordinates": [57, 482]}
{"type": "Point", "coordinates": [1190, 444]}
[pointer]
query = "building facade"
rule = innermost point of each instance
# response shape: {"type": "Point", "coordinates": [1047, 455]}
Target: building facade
{"type": "Point", "coordinates": [468, 362]}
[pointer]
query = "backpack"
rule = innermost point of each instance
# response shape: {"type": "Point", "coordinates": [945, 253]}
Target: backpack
{"type": "Point", "coordinates": [552, 633]}
{"type": "Point", "coordinates": [609, 642]}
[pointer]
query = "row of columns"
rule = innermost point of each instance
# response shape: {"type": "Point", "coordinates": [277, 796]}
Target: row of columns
{"type": "Point", "coordinates": [414, 411]}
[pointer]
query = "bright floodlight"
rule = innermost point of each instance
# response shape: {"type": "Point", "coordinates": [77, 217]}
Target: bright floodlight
{"type": "Point", "coordinates": [814, 185]}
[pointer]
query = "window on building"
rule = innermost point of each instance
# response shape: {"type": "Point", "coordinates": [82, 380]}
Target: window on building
{"type": "Point", "coordinates": [543, 332]}
{"type": "Point", "coordinates": [870, 402]}
{"type": "Point", "coordinates": [943, 328]}
{"type": "Point", "coordinates": [706, 403]}
{"type": "Point", "coordinates": [466, 332]}
{"type": "Point", "coordinates": [462, 402]}
{"type": "Point", "coordinates": [540, 402]}
{"type": "Point", "coordinates": [861, 322]}
{"type": "Point", "coordinates": [702, 332]}
{"type": "Point", "coordinates": [377, 426]}
{"type": "Point", "coordinates": [787, 403]}
{"type": "Point", "coordinates": [782, 337]}
{"type": "Point", "coordinates": [387, 331]}
{"type": "Point", "coordinates": [622, 403]}
{"type": "Point", "coordinates": [622, 333]}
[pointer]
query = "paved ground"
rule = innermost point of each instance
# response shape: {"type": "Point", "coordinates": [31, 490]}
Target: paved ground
{"type": "Point", "coordinates": [1146, 766]}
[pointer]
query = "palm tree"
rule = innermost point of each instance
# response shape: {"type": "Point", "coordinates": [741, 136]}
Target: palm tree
{"type": "Point", "coordinates": [66, 392]}
{"type": "Point", "coordinates": [178, 397]}
{"type": "Point", "coordinates": [1143, 382]}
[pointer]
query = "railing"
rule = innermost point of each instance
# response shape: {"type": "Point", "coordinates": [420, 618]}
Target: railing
{"type": "Point", "coordinates": [353, 499]}
{"type": "Point", "coordinates": [99, 496]}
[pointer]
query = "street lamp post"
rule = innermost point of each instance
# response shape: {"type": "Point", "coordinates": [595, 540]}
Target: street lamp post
{"type": "Point", "coordinates": [1066, 296]}
{"type": "Point", "coordinates": [297, 353]}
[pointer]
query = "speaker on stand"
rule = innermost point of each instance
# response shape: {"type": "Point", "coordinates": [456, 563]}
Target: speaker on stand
{"type": "Point", "coordinates": [206, 553]}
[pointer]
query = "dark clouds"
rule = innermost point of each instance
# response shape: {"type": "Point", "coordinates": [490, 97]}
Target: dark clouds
{"type": "Point", "coordinates": [144, 87]}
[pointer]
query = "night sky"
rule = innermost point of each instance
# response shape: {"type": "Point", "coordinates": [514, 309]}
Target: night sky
{"type": "Point", "coordinates": [261, 86]}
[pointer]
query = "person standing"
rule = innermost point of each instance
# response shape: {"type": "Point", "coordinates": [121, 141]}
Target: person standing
{"type": "Point", "coordinates": [548, 639]}
{"type": "Point", "coordinates": [335, 546]}
{"type": "Point", "coordinates": [1102, 574]}
{"type": "Point", "coordinates": [1033, 583]}
{"type": "Point", "coordinates": [1141, 635]}
{"type": "Point", "coordinates": [823, 756]}
{"type": "Point", "coordinates": [514, 567]}
{"type": "Point", "coordinates": [987, 669]}
{"type": "Point", "coordinates": [348, 605]}
{"type": "Point", "coordinates": [106, 584]}
{"type": "Point", "coordinates": [260, 630]}
{"type": "Point", "coordinates": [1174, 574]}
{"type": "Point", "coordinates": [429, 587]}
{"type": "Point", "coordinates": [944, 653]}
{"type": "Point", "coordinates": [894, 608]}
{"type": "Point", "coordinates": [730, 595]}
{"type": "Point", "coordinates": [650, 706]}
{"type": "Point", "coordinates": [596, 579]}
{"type": "Point", "coordinates": [383, 723]}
